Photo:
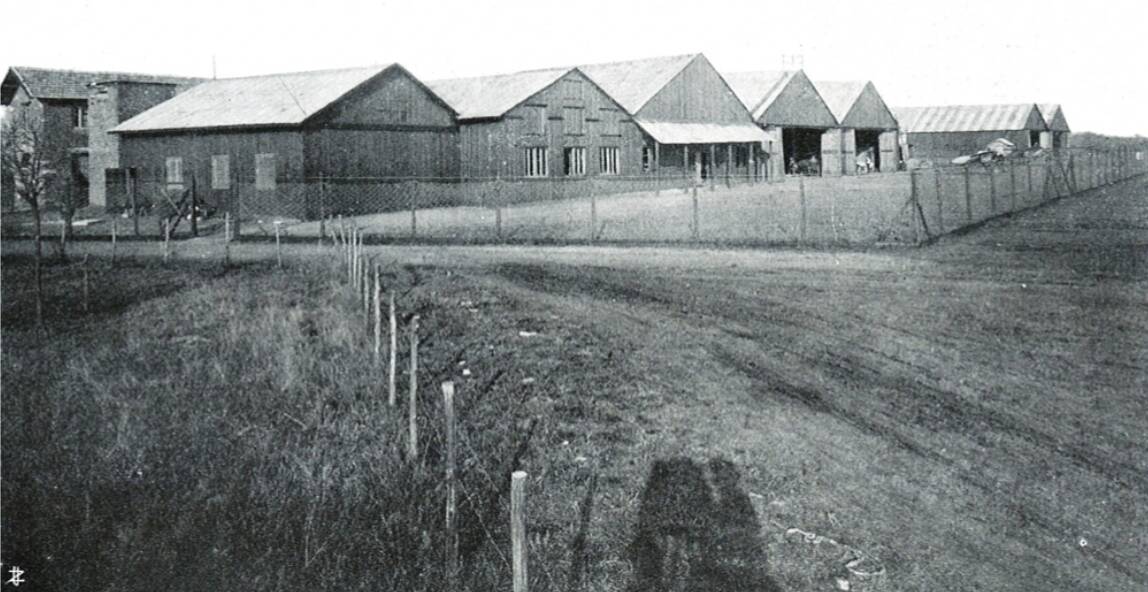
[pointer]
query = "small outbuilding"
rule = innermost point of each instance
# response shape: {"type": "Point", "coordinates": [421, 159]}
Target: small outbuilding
{"type": "Point", "coordinates": [796, 120]}
{"type": "Point", "coordinates": [1056, 137]}
{"type": "Point", "coordinates": [265, 141]}
{"type": "Point", "coordinates": [868, 129]}
{"type": "Point", "coordinates": [947, 131]}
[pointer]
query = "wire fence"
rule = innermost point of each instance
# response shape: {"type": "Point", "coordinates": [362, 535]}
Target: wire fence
{"type": "Point", "coordinates": [907, 207]}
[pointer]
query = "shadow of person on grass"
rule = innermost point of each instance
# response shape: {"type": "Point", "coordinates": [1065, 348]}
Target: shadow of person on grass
{"type": "Point", "coordinates": [697, 531]}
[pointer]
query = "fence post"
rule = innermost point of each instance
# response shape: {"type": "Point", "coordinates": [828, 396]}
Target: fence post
{"type": "Point", "coordinates": [801, 190]}
{"type": "Point", "coordinates": [968, 195]}
{"type": "Point", "coordinates": [593, 214]}
{"type": "Point", "coordinates": [132, 201]}
{"type": "Point", "coordinates": [912, 201]}
{"type": "Point", "coordinates": [114, 241]}
{"type": "Point", "coordinates": [518, 529]}
{"type": "Point", "coordinates": [194, 208]}
{"type": "Point", "coordinates": [87, 300]}
{"type": "Point", "coordinates": [993, 189]}
{"type": "Point", "coordinates": [1012, 183]}
{"type": "Point", "coordinates": [166, 239]}
{"type": "Point", "coordinates": [226, 239]}
{"type": "Point", "coordinates": [378, 305]}
{"type": "Point", "coordinates": [412, 407]}
{"type": "Point", "coordinates": [414, 207]}
{"type": "Point", "coordinates": [1091, 168]}
{"type": "Point", "coordinates": [392, 353]}
{"type": "Point", "coordinates": [940, 203]}
{"type": "Point", "coordinates": [1028, 186]}
{"type": "Point", "coordinates": [322, 209]}
{"type": "Point", "coordinates": [451, 530]}
{"type": "Point", "coordinates": [695, 231]}
{"type": "Point", "coordinates": [278, 246]}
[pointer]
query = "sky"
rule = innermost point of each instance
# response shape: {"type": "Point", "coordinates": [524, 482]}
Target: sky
{"type": "Point", "coordinates": [1091, 57]}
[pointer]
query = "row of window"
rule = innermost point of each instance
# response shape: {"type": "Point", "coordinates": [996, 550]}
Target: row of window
{"type": "Point", "coordinates": [536, 161]}
{"type": "Point", "coordinates": [221, 171]}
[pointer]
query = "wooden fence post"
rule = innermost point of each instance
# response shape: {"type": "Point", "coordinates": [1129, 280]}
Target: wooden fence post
{"type": "Point", "coordinates": [593, 215]}
{"type": "Point", "coordinates": [414, 206]}
{"type": "Point", "coordinates": [912, 203]}
{"type": "Point", "coordinates": [801, 189]}
{"type": "Point", "coordinates": [1028, 172]}
{"type": "Point", "coordinates": [226, 239]}
{"type": "Point", "coordinates": [940, 203]}
{"type": "Point", "coordinates": [378, 304]}
{"type": "Point", "coordinates": [451, 528]}
{"type": "Point", "coordinates": [412, 407]}
{"type": "Point", "coordinates": [114, 241]}
{"type": "Point", "coordinates": [518, 529]}
{"type": "Point", "coordinates": [278, 247]}
{"type": "Point", "coordinates": [392, 353]}
{"type": "Point", "coordinates": [992, 190]}
{"type": "Point", "coordinates": [132, 202]}
{"type": "Point", "coordinates": [1012, 183]}
{"type": "Point", "coordinates": [968, 195]}
{"type": "Point", "coordinates": [166, 239]}
{"type": "Point", "coordinates": [87, 300]}
{"type": "Point", "coordinates": [194, 208]}
{"type": "Point", "coordinates": [695, 231]}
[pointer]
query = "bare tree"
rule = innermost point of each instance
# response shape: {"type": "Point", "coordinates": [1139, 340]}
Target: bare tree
{"type": "Point", "coordinates": [24, 156]}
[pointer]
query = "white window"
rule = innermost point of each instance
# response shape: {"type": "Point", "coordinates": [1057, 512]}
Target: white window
{"type": "Point", "coordinates": [264, 172]}
{"type": "Point", "coordinates": [572, 121]}
{"type": "Point", "coordinates": [575, 161]}
{"type": "Point", "coordinates": [220, 171]}
{"type": "Point", "coordinates": [536, 165]}
{"type": "Point", "coordinates": [173, 169]}
{"type": "Point", "coordinates": [608, 160]}
{"type": "Point", "coordinates": [80, 116]}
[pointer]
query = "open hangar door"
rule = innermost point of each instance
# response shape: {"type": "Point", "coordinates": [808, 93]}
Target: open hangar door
{"type": "Point", "coordinates": [802, 145]}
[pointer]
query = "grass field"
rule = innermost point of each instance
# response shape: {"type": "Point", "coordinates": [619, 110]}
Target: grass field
{"type": "Point", "coordinates": [968, 416]}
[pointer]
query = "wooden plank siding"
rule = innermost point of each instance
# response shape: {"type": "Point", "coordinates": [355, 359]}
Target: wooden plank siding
{"type": "Point", "coordinates": [697, 94]}
{"type": "Point", "coordinates": [944, 146]}
{"type": "Point", "coordinates": [575, 112]}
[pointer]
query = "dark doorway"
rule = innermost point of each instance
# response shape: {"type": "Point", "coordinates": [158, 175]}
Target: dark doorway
{"type": "Point", "coordinates": [802, 145]}
{"type": "Point", "coordinates": [869, 140]}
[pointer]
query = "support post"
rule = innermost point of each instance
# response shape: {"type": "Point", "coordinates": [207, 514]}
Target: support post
{"type": "Point", "coordinates": [657, 169]}
{"type": "Point", "coordinates": [278, 247]}
{"type": "Point", "coordinates": [713, 162]}
{"type": "Point", "coordinates": [412, 407]}
{"type": "Point", "coordinates": [132, 202]}
{"type": "Point", "coordinates": [801, 190]}
{"type": "Point", "coordinates": [968, 195]}
{"type": "Point", "coordinates": [593, 214]}
{"type": "Point", "coordinates": [194, 208]}
{"type": "Point", "coordinates": [114, 231]}
{"type": "Point", "coordinates": [392, 353]}
{"type": "Point", "coordinates": [414, 206]}
{"type": "Point", "coordinates": [695, 230]}
{"type": "Point", "coordinates": [1028, 186]}
{"type": "Point", "coordinates": [992, 190]}
{"type": "Point", "coordinates": [87, 287]}
{"type": "Point", "coordinates": [1012, 183]}
{"type": "Point", "coordinates": [377, 293]}
{"type": "Point", "coordinates": [451, 527]}
{"type": "Point", "coordinates": [940, 202]}
{"type": "Point", "coordinates": [518, 529]}
{"type": "Point", "coordinates": [729, 165]}
{"type": "Point", "coordinates": [166, 239]}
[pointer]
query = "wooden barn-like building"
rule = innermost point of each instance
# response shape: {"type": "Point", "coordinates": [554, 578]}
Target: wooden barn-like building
{"type": "Point", "coordinates": [258, 144]}
{"type": "Point", "coordinates": [540, 124]}
{"type": "Point", "coordinates": [945, 132]}
{"type": "Point", "coordinates": [692, 122]}
{"type": "Point", "coordinates": [868, 129]}
{"type": "Point", "coordinates": [793, 114]}
{"type": "Point", "coordinates": [1056, 137]}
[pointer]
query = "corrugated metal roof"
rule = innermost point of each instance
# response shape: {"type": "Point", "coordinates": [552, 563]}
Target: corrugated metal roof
{"type": "Point", "coordinates": [840, 95]}
{"type": "Point", "coordinates": [492, 96]}
{"type": "Point", "coordinates": [758, 90]}
{"type": "Point", "coordinates": [964, 118]}
{"type": "Point", "coordinates": [633, 83]}
{"type": "Point", "coordinates": [278, 99]}
{"type": "Point", "coordinates": [1054, 117]}
{"type": "Point", "coordinates": [46, 83]}
{"type": "Point", "coordinates": [701, 133]}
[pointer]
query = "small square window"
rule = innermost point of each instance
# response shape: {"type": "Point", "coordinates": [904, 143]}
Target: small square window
{"type": "Point", "coordinates": [173, 170]}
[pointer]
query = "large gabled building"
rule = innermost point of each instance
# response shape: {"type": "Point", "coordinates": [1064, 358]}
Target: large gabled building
{"type": "Point", "coordinates": [867, 125]}
{"type": "Point", "coordinates": [75, 110]}
{"type": "Point", "coordinates": [793, 114]}
{"type": "Point", "coordinates": [259, 144]}
{"type": "Point", "coordinates": [947, 131]}
{"type": "Point", "coordinates": [553, 123]}
{"type": "Point", "coordinates": [693, 124]}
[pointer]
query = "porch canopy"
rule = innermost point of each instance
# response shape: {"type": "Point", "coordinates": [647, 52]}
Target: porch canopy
{"type": "Point", "coordinates": [702, 133]}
